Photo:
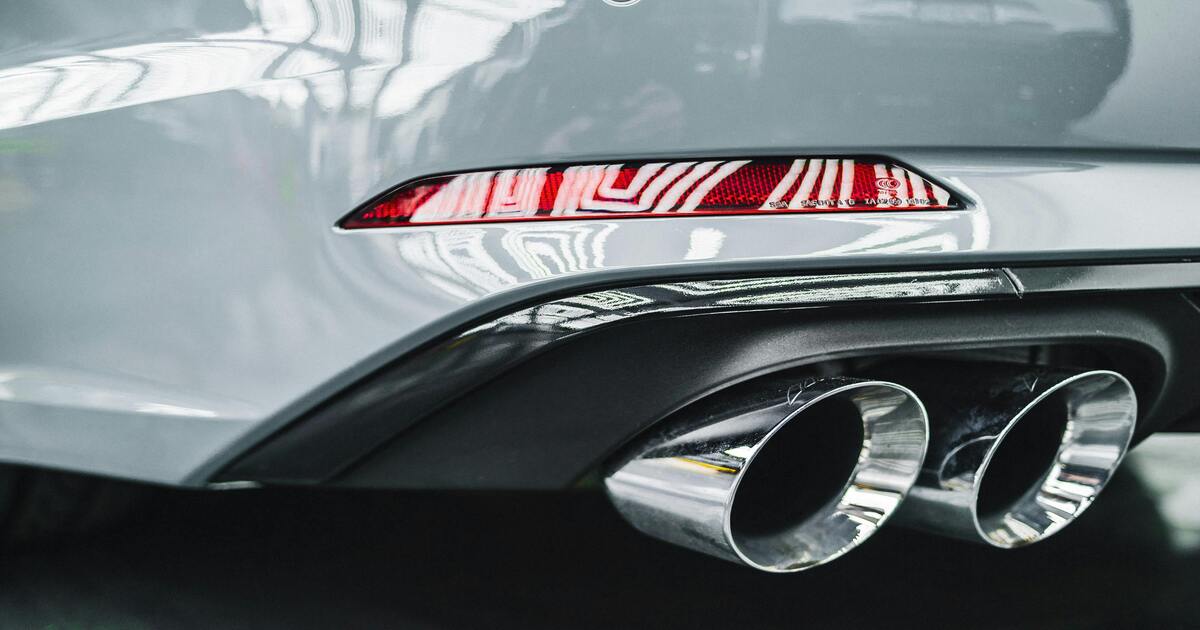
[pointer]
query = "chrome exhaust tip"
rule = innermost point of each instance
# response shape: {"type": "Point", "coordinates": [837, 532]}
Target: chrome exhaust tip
{"type": "Point", "coordinates": [1019, 454]}
{"type": "Point", "coordinates": [780, 477]}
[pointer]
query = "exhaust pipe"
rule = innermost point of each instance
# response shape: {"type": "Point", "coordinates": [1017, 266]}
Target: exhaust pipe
{"type": "Point", "coordinates": [781, 476]}
{"type": "Point", "coordinates": [1015, 454]}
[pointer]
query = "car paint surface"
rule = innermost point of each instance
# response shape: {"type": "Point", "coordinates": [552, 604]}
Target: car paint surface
{"type": "Point", "coordinates": [170, 174]}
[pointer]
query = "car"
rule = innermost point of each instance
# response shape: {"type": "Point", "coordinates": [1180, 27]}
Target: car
{"type": "Point", "coordinates": [767, 274]}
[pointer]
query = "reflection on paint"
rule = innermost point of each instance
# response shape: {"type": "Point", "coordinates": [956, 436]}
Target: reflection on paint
{"type": "Point", "coordinates": [287, 39]}
{"type": "Point", "coordinates": [474, 262]}
{"type": "Point", "coordinates": [704, 243]}
{"type": "Point", "coordinates": [103, 393]}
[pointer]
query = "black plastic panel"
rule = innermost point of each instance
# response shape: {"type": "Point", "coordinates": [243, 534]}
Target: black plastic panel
{"type": "Point", "coordinates": [345, 428]}
{"type": "Point", "coordinates": [556, 416]}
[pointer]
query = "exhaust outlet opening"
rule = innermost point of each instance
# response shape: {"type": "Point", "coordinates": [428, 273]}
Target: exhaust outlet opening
{"type": "Point", "coordinates": [1023, 457]}
{"type": "Point", "coordinates": [803, 468]}
{"type": "Point", "coordinates": [1016, 452]}
{"type": "Point", "coordinates": [1054, 458]}
{"type": "Point", "coordinates": [776, 475]}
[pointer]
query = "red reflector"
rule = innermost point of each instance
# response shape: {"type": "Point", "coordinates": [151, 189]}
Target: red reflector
{"type": "Point", "coordinates": [655, 189]}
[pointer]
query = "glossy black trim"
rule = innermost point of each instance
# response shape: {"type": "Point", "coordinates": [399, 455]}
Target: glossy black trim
{"type": "Point", "coordinates": [332, 436]}
{"type": "Point", "coordinates": [344, 429]}
{"type": "Point", "coordinates": [559, 415]}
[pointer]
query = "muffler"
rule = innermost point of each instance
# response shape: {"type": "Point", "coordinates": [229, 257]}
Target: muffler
{"type": "Point", "coordinates": [780, 476]}
{"type": "Point", "coordinates": [1015, 453]}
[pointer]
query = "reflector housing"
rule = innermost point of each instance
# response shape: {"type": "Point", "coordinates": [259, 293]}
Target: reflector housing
{"type": "Point", "coordinates": [655, 189]}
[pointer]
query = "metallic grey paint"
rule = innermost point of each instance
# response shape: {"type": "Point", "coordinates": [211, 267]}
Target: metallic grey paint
{"type": "Point", "coordinates": [170, 172]}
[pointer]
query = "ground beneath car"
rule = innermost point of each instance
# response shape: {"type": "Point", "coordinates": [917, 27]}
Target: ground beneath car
{"type": "Point", "coordinates": [299, 559]}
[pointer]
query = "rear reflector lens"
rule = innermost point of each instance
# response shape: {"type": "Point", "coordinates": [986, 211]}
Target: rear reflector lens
{"type": "Point", "coordinates": [655, 189]}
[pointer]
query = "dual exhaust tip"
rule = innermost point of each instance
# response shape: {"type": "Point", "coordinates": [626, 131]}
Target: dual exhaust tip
{"type": "Point", "coordinates": [784, 476]}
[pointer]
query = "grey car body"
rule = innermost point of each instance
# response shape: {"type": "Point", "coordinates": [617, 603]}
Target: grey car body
{"type": "Point", "coordinates": [175, 290]}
